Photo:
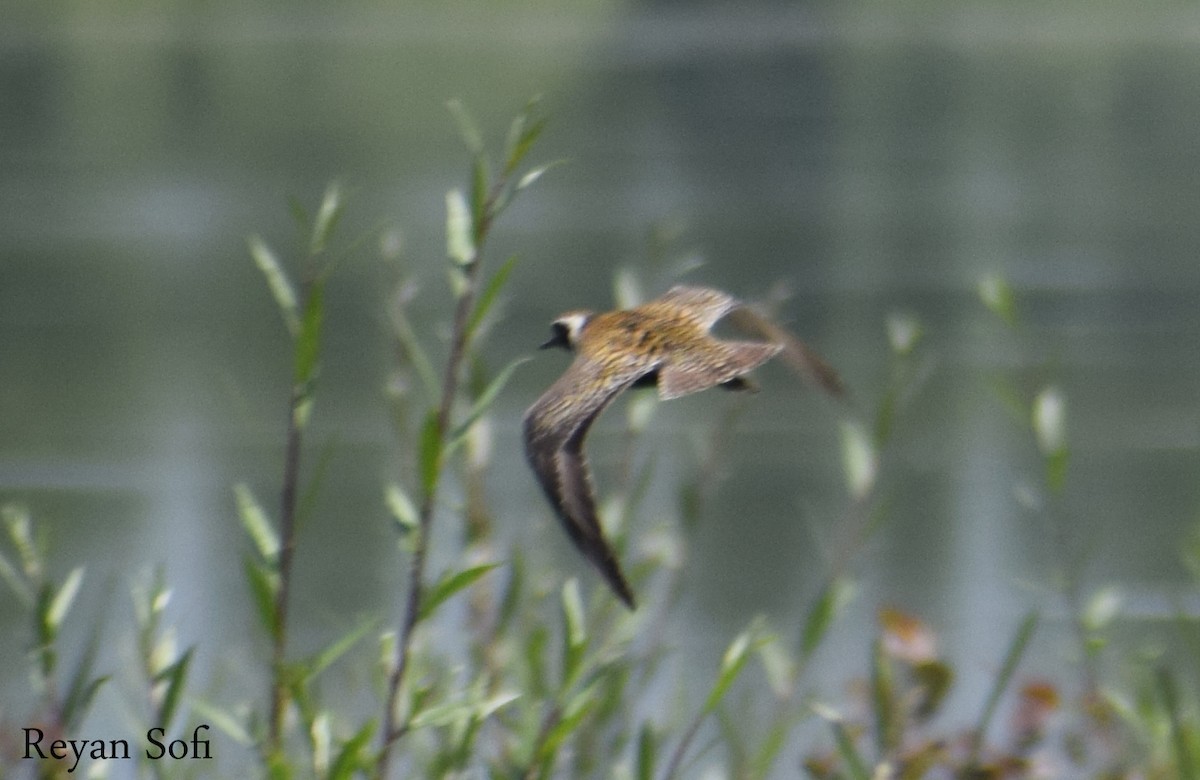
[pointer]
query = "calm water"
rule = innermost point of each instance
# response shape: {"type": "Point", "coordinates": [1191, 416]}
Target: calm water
{"type": "Point", "coordinates": [874, 161]}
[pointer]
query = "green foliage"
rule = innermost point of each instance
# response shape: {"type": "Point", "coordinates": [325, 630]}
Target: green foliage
{"type": "Point", "coordinates": [278, 282]}
{"type": "Point", "coordinates": [525, 679]}
{"type": "Point", "coordinates": [1012, 658]}
{"type": "Point", "coordinates": [448, 585]}
{"type": "Point", "coordinates": [48, 605]}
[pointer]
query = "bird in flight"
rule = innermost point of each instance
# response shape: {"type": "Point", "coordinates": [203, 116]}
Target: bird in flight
{"type": "Point", "coordinates": [664, 343]}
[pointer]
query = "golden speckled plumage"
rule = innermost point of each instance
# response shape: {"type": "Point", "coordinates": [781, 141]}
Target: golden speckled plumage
{"type": "Point", "coordinates": [664, 342]}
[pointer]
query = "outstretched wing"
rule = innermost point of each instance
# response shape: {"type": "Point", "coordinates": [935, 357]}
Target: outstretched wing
{"type": "Point", "coordinates": [726, 362]}
{"type": "Point", "coordinates": [703, 303]}
{"type": "Point", "coordinates": [555, 428]}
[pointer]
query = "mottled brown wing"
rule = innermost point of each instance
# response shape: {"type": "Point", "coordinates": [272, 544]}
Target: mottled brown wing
{"type": "Point", "coordinates": [704, 303]}
{"type": "Point", "coordinates": [723, 363]}
{"type": "Point", "coordinates": [555, 428]}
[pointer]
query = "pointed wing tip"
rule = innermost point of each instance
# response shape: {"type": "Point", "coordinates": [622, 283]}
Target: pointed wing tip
{"type": "Point", "coordinates": [626, 596]}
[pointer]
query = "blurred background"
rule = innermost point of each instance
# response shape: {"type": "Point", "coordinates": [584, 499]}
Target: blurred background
{"type": "Point", "coordinates": [874, 160]}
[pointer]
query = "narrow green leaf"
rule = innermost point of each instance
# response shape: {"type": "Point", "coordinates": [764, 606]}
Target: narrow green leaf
{"type": "Point", "coordinates": [333, 652]}
{"type": "Point", "coordinates": [258, 527]}
{"type": "Point", "coordinates": [533, 174]}
{"type": "Point", "coordinates": [521, 135]}
{"type": "Point", "coordinates": [998, 297]}
{"type": "Point", "coordinates": [934, 679]}
{"type": "Point", "coordinates": [20, 531]}
{"type": "Point", "coordinates": [529, 134]}
{"type": "Point", "coordinates": [848, 751]}
{"type": "Point", "coordinates": [904, 331]}
{"type": "Point", "coordinates": [480, 184]}
{"type": "Point", "coordinates": [277, 280]}
{"type": "Point", "coordinates": [535, 656]}
{"type": "Point", "coordinates": [860, 461]}
{"type": "Point", "coordinates": [308, 342]}
{"type": "Point", "coordinates": [576, 709]}
{"type": "Point", "coordinates": [647, 748]}
{"type": "Point", "coordinates": [779, 667]}
{"type": "Point", "coordinates": [1012, 658]}
{"type": "Point", "coordinates": [458, 280]}
{"type": "Point", "coordinates": [401, 508]}
{"type": "Point", "coordinates": [60, 605]}
{"type": "Point", "coordinates": [11, 576]}
{"type": "Point", "coordinates": [320, 738]}
{"type": "Point", "coordinates": [639, 411]}
{"type": "Point", "coordinates": [264, 584]}
{"type": "Point", "coordinates": [352, 756]}
{"type": "Point", "coordinates": [833, 597]}
{"type": "Point", "coordinates": [1049, 420]}
{"type": "Point", "coordinates": [312, 486]}
{"type": "Point", "coordinates": [627, 288]}
{"type": "Point", "coordinates": [175, 676]}
{"type": "Point", "coordinates": [302, 407]}
{"type": "Point", "coordinates": [1102, 608]}
{"type": "Point", "coordinates": [327, 218]}
{"type": "Point", "coordinates": [885, 416]}
{"type": "Point", "coordinates": [495, 703]}
{"type": "Point", "coordinates": [483, 403]}
{"type": "Point", "coordinates": [487, 296]}
{"type": "Point", "coordinates": [430, 452]}
{"type": "Point", "coordinates": [732, 664]}
{"type": "Point", "coordinates": [77, 706]}
{"type": "Point", "coordinates": [888, 725]}
{"type": "Point", "coordinates": [771, 746]}
{"type": "Point", "coordinates": [224, 721]}
{"type": "Point", "coordinates": [575, 633]}
{"type": "Point", "coordinates": [82, 687]}
{"type": "Point", "coordinates": [468, 129]}
{"type": "Point", "coordinates": [460, 242]}
{"type": "Point", "coordinates": [448, 585]}
{"type": "Point", "coordinates": [415, 352]}
{"type": "Point", "coordinates": [387, 652]}
{"type": "Point", "coordinates": [512, 592]}
{"type": "Point", "coordinates": [451, 713]}
{"type": "Point", "coordinates": [1056, 469]}
{"type": "Point", "coordinates": [45, 640]}
{"type": "Point", "coordinates": [1168, 691]}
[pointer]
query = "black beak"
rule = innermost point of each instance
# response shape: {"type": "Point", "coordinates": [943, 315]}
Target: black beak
{"type": "Point", "coordinates": [559, 339]}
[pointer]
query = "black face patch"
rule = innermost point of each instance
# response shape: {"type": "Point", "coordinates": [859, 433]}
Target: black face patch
{"type": "Point", "coordinates": [560, 337]}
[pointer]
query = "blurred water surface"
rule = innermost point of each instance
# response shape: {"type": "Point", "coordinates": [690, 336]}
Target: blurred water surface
{"type": "Point", "coordinates": [871, 159]}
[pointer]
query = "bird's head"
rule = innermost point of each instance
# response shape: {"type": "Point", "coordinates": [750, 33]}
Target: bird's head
{"type": "Point", "coordinates": [567, 329]}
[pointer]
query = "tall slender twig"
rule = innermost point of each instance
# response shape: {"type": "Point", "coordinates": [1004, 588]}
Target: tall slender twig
{"type": "Point", "coordinates": [287, 548]}
{"type": "Point", "coordinates": [391, 730]}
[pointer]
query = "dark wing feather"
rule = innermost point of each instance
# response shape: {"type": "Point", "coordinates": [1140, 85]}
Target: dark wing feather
{"type": "Point", "coordinates": [555, 428]}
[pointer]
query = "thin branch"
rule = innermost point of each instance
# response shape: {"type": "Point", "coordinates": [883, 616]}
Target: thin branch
{"type": "Point", "coordinates": [287, 537]}
{"type": "Point", "coordinates": [681, 749]}
{"type": "Point", "coordinates": [391, 731]}
{"type": "Point", "coordinates": [287, 548]}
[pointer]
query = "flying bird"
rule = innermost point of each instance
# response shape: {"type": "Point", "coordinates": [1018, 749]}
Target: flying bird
{"type": "Point", "coordinates": [664, 343]}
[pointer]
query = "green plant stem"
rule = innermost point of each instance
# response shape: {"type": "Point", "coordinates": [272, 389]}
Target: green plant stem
{"type": "Point", "coordinates": [391, 731]}
{"type": "Point", "coordinates": [287, 549]}
{"type": "Point", "coordinates": [1179, 738]}
{"type": "Point", "coordinates": [551, 719]}
{"type": "Point", "coordinates": [681, 749]}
